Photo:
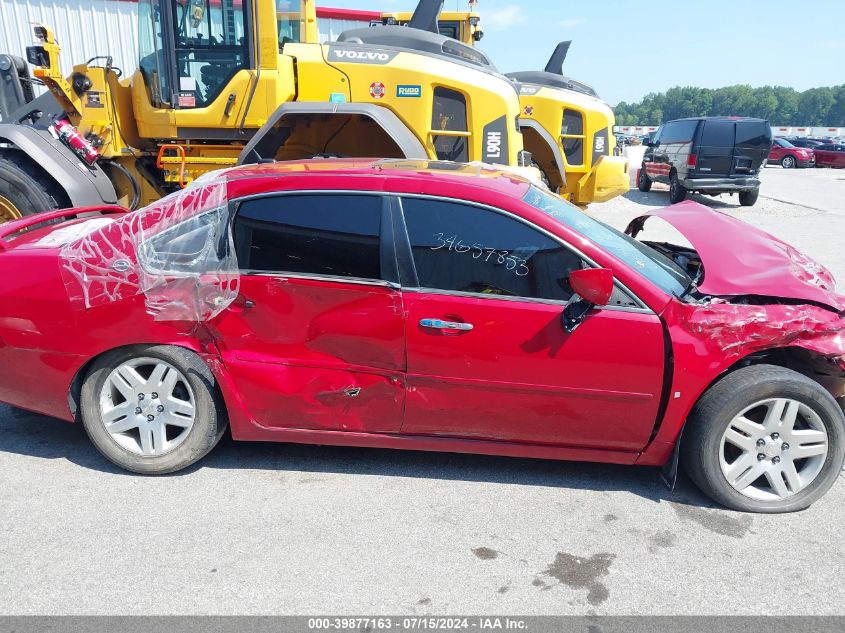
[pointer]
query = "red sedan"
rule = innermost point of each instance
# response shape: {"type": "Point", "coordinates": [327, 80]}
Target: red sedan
{"type": "Point", "coordinates": [830, 155]}
{"type": "Point", "coordinates": [789, 156]}
{"type": "Point", "coordinates": [428, 306]}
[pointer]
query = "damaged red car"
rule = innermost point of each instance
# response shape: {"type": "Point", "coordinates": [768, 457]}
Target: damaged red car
{"type": "Point", "coordinates": [428, 306]}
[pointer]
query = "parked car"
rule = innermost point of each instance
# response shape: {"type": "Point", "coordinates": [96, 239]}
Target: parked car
{"type": "Point", "coordinates": [710, 155]}
{"type": "Point", "coordinates": [801, 141]}
{"type": "Point", "coordinates": [427, 306]}
{"type": "Point", "coordinates": [789, 156]}
{"type": "Point", "coordinates": [830, 155]}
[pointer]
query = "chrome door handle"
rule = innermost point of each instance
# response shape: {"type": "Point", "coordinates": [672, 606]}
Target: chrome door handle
{"type": "Point", "coordinates": [437, 324]}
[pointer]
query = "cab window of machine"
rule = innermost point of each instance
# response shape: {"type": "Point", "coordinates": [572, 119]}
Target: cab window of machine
{"type": "Point", "coordinates": [449, 125]}
{"type": "Point", "coordinates": [151, 51]}
{"type": "Point", "coordinates": [288, 15]}
{"type": "Point", "coordinates": [449, 28]}
{"type": "Point", "coordinates": [211, 46]}
{"type": "Point", "coordinates": [572, 135]}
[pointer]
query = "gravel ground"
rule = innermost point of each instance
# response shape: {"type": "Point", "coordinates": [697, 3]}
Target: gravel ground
{"type": "Point", "coordinates": [285, 529]}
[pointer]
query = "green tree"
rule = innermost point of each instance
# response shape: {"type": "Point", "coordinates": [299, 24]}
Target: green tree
{"type": "Point", "coordinates": [779, 104]}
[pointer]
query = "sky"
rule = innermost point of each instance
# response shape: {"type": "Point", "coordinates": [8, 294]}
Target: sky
{"type": "Point", "coordinates": [626, 49]}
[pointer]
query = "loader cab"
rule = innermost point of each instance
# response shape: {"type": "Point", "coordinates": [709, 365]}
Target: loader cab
{"type": "Point", "coordinates": [580, 125]}
{"type": "Point", "coordinates": [190, 49]}
{"type": "Point", "coordinates": [201, 61]}
{"type": "Point", "coordinates": [464, 26]}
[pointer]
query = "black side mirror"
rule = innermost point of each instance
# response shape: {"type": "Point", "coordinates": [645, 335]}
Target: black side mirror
{"type": "Point", "coordinates": [575, 312]}
{"type": "Point", "coordinates": [592, 287]}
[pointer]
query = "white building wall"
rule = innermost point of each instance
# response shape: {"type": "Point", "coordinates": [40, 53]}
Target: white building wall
{"type": "Point", "coordinates": [83, 28]}
{"type": "Point", "coordinates": [89, 28]}
{"type": "Point", "coordinates": [330, 28]}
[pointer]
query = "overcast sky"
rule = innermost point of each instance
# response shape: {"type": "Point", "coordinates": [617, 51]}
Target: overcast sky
{"type": "Point", "coordinates": [626, 49]}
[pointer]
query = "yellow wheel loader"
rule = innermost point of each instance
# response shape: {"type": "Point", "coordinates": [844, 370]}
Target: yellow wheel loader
{"type": "Point", "coordinates": [225, 82]}
{"type": "Point", "coordinates": [464, 26]}
{"type": "Point", "coordinates": [567, 128]}
{"type": "Point", "coordinates": [581, 124]}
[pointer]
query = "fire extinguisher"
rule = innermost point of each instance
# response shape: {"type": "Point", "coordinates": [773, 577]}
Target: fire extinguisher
{"type": "Point", "coordinates": [81, 146]}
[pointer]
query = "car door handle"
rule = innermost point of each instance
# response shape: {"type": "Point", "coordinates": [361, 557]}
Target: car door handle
{"type": "Point", "coordinates": [438, 324]}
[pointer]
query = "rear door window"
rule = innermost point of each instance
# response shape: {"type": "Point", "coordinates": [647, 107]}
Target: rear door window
{"type": "Point", "coordinates": [756, 134]}
{"type": "Point", "coordinates": [335, 235]}
{"type": "Point", "coordinates": [718, 134]}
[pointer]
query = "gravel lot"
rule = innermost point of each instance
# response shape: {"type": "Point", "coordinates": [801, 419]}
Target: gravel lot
{"type": "Point", "coordinates": [285, 529]}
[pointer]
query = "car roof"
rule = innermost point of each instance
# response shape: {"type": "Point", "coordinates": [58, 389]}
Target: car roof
{"type": "Point", "coordinates": [405, 176]}
{"type": "Point", "coordinates": [720, 118]}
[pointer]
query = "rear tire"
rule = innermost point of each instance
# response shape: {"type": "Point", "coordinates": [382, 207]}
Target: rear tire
{"type": "Point", "coordinates": [643, 181]}
{"type": "Point", "coordinates": [788, 162]}
{"type": "Point", "coordinates": [23, 190]}
{"type": "Point", "coordinates": [748, 198]}
{"type": "Point", "coordinates": [677, 193]}
{"type": "Point", "coordinates": [736, 409]}
{"type": "Point", "coordinates": [123, 395]}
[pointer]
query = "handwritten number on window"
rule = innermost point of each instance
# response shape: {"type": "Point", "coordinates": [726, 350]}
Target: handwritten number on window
{"type": "Point", "coordinates": [511, 261]}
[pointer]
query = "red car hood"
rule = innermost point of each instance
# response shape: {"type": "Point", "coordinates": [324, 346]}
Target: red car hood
{"type": "Point", "coordinates": [740, 259]}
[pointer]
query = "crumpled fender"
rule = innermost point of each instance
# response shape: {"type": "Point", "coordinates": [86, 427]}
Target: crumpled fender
{"type": "Point", "coordinates": [708, 339]}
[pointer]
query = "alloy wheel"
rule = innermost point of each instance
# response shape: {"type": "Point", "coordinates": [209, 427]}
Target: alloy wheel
{"type": "Point", "coordinates": [788, 162]}
{"type": "Point", "coordinates": [147, 406]}
{"type": "Point", "coordinates": [773, 449]}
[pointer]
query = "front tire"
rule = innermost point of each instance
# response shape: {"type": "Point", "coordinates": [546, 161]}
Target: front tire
{"type": "Point", "coordinates": [748, 198]}
{"type": "Point", "coordinates": [677, 193]}
{"type": "Point", "coordinates": [643, 181]}
{"type": "Point", "coordinates": [765, 439]}
{"type": "Point", "coordinates": [152, 409]}
{"type": "Point", "coordinates": [788, 162]}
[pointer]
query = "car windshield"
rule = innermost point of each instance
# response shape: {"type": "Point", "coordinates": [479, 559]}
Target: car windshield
{"type": "Point", "coordinates": [784, 143]}
{"type": "Point", "coordinates": [657, 268]}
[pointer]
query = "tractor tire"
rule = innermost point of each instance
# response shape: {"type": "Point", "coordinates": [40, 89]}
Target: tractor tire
{"type": "Point", "coordinates": [24, 190]}
{"type": "Point", "coordinates": [543, 177]}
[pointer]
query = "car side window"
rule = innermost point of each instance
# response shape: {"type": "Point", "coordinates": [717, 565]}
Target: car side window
{"type": "Point", "coordinates": [321, 234]}
{"type": "Point", "coordinates": [678, 131]}
{"type": "Point", "coordinates": [463, 248]}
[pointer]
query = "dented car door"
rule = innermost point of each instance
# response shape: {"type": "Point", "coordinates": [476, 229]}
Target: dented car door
{"type": "Point", "coordinates": [488, 355]}
{"type": "Point", "coordinates": [315, 339]}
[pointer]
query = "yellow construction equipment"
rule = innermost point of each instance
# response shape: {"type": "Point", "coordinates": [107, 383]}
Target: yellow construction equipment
{"type": "Point", "coordinates": [582, 126]}
{"type": "Point", "coordinates": [464, 26]}
{"type": "Point", "coordinates": [567, 128]}
{"type": "Point", "coordinates": [222, 82]}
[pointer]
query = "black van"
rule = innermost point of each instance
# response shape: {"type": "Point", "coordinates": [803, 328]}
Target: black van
{"type": "Point", "coordinates": [711, 155]}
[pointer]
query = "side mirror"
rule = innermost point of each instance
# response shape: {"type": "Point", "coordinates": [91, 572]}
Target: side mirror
{"type": "Point", "coordinates": [592, 287]}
